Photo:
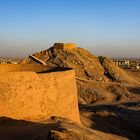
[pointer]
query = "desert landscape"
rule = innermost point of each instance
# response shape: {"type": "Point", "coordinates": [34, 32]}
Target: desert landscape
{"type": "Point", "coordinates": [69, 69]}
{"type": "Point", "coordinates": [67, 93]}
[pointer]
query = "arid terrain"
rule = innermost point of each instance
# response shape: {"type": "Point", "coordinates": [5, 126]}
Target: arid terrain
{"type": "Point", "coordinates": [33, 108]}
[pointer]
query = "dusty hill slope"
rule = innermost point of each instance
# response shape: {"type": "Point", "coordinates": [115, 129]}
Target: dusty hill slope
{"type": "Point", "coordinates": [86, 65]}
{"type": "Point", "coordinates": [113, 72]}
{"type": "Point", "coordinates": [92, 73]}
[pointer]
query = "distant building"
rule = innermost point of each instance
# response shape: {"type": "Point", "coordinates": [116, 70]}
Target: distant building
{"type": "Point", "coordinates": [137, 67]}
{"type": "Point", "coordinates": [3, 62]}
{"type": "Point", "coordinates": [122, 62]}
{"type": "Point", "coordinates": [14, 62]}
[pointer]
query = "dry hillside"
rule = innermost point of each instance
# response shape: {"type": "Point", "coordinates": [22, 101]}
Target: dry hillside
{"type": "Point", "coordinates": [98, 78]}
{"type": "Point", "coordinates": [109, 98]}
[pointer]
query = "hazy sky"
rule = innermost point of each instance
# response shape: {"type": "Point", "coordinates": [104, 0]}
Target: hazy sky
{"type": "Point", "coordinates": [105, 27]}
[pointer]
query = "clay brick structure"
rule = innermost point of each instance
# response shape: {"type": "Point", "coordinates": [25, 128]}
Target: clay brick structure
{"type": "Point", "coordinates": [26, 95]}
{"type": "Point", "coordinates": [63, 46]}
{"type": "Point", "coordinates": [23, 67]}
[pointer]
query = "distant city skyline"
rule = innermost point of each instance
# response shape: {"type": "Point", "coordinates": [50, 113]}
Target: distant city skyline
{"type": "Point", "coordinates": [104, 27]}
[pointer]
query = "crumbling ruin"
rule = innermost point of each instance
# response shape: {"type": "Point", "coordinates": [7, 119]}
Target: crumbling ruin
{"type": "Point", "coordinates": [25, 94]}
{"type": "Point", "coordinates": [63, 46]}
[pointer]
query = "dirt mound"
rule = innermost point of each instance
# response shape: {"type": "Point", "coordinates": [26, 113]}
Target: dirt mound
{"type": "Point", "coordinates": [113, 72]}
{"type": "Point", "coordinates": [70, 131]}
{"type": "Point", "coordinates": [85, 64]}
{"type": "Point", "coordinates": [92, 73]}
{"type": "Point", "coordinates": [32, 96]}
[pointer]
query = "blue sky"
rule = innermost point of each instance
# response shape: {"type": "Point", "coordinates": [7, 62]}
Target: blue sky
{"type": "Point", "coordinates": [104, 27]}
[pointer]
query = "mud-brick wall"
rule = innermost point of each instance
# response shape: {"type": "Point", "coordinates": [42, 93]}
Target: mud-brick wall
{"type": "Point", "coordinates": [31, 96]}
{"type": "Point", "coordinates": [22, 67]}
{"type": "Point", "coordinates": [63, 46]}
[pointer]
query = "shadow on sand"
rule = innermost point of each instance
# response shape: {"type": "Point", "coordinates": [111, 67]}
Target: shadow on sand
{"type": "Point", "coordinates": [114, 119]}
{"type": "Point", "coordinates": [135, 90]}
{"type": "Point", "coordinates": [24, 130]}
{"type": "Point", "coordinates": [56, 69]}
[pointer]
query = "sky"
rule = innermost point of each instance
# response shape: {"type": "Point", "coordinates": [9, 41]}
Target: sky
{"type": "Point", "coordinates": [104, 27]}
